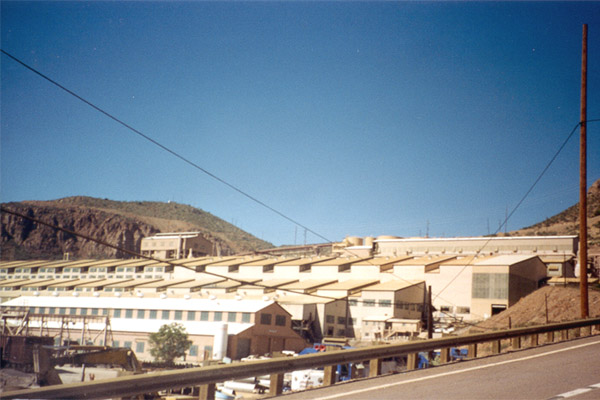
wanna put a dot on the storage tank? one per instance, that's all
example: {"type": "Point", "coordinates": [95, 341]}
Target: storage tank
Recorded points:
{"type": "Point", "coordinates": [369, 241]}
{"type": "Point", "coordinates": [220, 343]}
{"type": "Point", "coordinates": [354, 241]}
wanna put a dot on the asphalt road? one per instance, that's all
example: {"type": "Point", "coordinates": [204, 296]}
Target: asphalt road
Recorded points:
{"type": "Point", "coordinates": [561, 370]}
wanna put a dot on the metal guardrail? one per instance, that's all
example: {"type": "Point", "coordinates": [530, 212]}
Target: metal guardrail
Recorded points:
{"type": "Point", "coordinates": [206, 377]}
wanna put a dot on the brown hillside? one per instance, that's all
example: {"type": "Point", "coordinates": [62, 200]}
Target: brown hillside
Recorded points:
{"type": "Point", "coordinates": [567, 222]}
{"type": "Point", "coordinates": [122, 224]}
{"type": "Point", "coordinates": [563, 305]}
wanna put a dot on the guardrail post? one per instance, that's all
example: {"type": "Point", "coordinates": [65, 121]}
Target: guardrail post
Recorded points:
{"type": "Point", "coordinates": [207, 392]}
{"type": "Point", "coordinates": [496, 346]}
{"type": "Point", "coordinates": [564, 334]}
{"type": "Point", "coordinates": [577, 332]}
{"type": "Point", "coordinates": [472, 352]}
{"type": "Point", "coordinates": [412, 361]}
{"type": "Point", "coordinates": [535, 340]}
{"type": "Point", "coordinates": [549, 337]}
{"type": "Point", "coordinates": [329, 375]}
{"type": "Point", "coordinates": [374, 367]}
{"type": "Point", "coordinates": [445, 355]}
{"type": "Point", "coordinates": [516, 342]}
{"type": "Point", "coordinates": [276, 385]}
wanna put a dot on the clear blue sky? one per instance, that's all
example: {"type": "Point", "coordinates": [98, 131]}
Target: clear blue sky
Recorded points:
{"type": "Point", "coordinates": [353, 118]}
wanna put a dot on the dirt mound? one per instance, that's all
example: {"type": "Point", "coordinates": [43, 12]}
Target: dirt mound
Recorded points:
{"type": "Point", "coordinates": [563, 304]}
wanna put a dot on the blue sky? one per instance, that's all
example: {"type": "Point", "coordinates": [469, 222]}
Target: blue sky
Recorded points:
{"type": "Point", "coordinates": [353, 118]}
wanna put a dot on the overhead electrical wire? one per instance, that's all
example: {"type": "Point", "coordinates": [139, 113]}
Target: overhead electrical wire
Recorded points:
{"type": "Point", "coordinates": [165, 148]}
{"type": "Point", "coordinates": [242, 192]}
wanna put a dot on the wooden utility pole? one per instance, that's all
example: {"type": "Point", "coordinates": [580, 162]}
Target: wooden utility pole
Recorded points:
{"type": "Point", "coordinates": [583, 284]}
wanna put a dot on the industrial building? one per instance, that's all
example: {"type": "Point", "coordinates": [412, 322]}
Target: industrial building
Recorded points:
{"type": "Point", "coordinates": [365, 296]}
{"type": "Point", "coordinates": [178, 245]}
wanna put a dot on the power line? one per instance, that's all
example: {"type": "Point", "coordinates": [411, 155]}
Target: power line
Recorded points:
{"type": "Point", "coordinates": [562, 146]}
{"type": "Point", "coordinates": [165, 148]}
{"type": "Point", "coordinates": [171, 263]}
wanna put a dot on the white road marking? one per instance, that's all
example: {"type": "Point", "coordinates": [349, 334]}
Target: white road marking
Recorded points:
{"type": "Point", "coordinates": [334, 396]}
{"type": "Point", "coordinates": [577, 391]}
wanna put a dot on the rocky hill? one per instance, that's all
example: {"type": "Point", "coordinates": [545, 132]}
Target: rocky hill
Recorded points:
{"type": "Point", "coordinates": [123, 224]}
{"type": "Point", "coordinates": [567, 222]}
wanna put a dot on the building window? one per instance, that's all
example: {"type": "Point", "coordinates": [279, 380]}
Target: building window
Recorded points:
{"type": "Point", "coordinates": [341, 320]}
{"type": "Point", "coordinates": [204, 316]}
{"type": "Point", "coordinates": [165, 314]}
{"type": "Point", "coordinates": [115, 343]}
{"type": "Point", "coordinates": [117, 313]}
{"type": "Point", "coordinates": [193, 351]}
{"type": "Point", "coordinates": [246, 317]}
{"type": "Point", "coordinates": [265, 319]}
{"type": "Point", "coordinates": [231, 317]}
{"type": "Point", "coordinates": [191, 316]}
{"type": "Point", "coordinates": [127, 345]}
{"type": "Point", "coordinates": [141, 314]}
{"type": "Point", "coordinates": [352, 302]}
{"type": "Point", "coordinates": [129, 313]}
{"type": "Point", "coordinates": [139, 347]}
{"type": "Point", "coordinates": [153, 314]}
{"type": "Point", "coordinates": [62, 311]}
{"type": "Point", "coordinates": [73, 311]}
{"type": "Point", "coordinates": [330, 319]}
{"type": "Point", "coordinates": [369, 302]}
{"type": "Point", "coordinates": [280, 320]}
{"type": "Point", "coordinates": [385, 303]}
{"type": "Point", "coordinates": [41, 310]}
{"type": "Point", "coordinates": [463, 310]}
{"type": "Point", "coordinates": [178, 315]}
{"type": "Point", "coordinates": [94, 311]}
{"type": "Point", "coordinates": [83, 311]}
{"type": "Point", "coordinates": [218, 316]}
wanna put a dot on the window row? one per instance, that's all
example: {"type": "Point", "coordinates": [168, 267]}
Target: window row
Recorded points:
{"type": "Point", "coordinates": [177, 315]}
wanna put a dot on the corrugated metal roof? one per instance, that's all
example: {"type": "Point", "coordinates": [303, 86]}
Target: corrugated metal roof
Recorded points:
{"type": "Point", "coordinates": [12, 282]}
{"type": "Point", "coordinates": [391, 285]}
{"type": "Point", "coordinates": [377, 261]}
{"type": "Point", "coordinates": [505, 259]}
{"type": "Point", "coordinates": [305, 261]}
{"type": "Point", "coordinates": [103, 282]}
{"type": "Point", "coordinates": [197, 283]}
{"type": "Point", "coordinates": [136, 303]}
{"type": "Point", "coordinates": [164, 283]}
{"type": "Point", "coordinates": [341, 261]}
{"type": "Point", "coordinates": [426, 260]}
{"type": "Point", "coordinates": [132, 283]}
{"type": "Point", "coordinates": [468, 260]}
{"type": "Point", "coordinates": [308, 284]}
{"type": "Point", "coordinates": [349, 284]}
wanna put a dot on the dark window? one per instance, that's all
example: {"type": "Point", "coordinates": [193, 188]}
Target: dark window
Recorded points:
{"type": "Point", "coordinates": [280, 320]}
{"type": "Point", "coordinates": [265, 319]}
{"type": "Point", "coordinates": [218, 316]}
{"type": "Point", "coordinates": [246, 317]}
{"type": "Point", "coordinates": [165, 314]}
{"type": "Point", "coordinates": [232, 317]}
{"type": "Point", "coordinates": [191, 316]}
